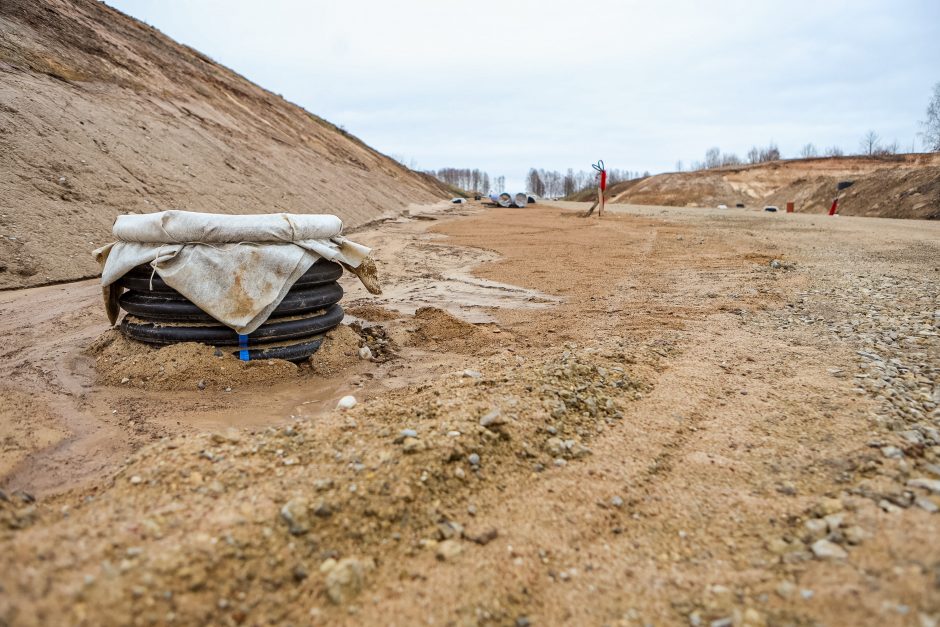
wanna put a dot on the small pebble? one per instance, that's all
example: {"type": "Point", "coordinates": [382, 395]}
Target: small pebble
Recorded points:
{"type": "Point", "coordinates": [347, 402]}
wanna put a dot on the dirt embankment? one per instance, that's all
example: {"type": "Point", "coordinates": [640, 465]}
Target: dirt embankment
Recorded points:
{"type": "Point", "coordinates": [897, 186]}
{"type": "Point", "coordinates": [101, 115]}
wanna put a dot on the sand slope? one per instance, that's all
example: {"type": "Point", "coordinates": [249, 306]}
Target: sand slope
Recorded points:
{"type": "Point", "coordinates": [897, 186]}
{"type": "Point", "coordinates": [101, 115]}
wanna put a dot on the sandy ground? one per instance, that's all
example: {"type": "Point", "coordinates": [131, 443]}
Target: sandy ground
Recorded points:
{"type": "Point", "coordinates": [664, 416]}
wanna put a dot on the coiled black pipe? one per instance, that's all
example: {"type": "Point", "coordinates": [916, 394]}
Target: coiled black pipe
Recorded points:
{"type": "Point", "coordinates": [144, 279]}
{"type": "Point", "coordinates": [158, 314]}
{"type": "Point", "coordinates": [175, 306]}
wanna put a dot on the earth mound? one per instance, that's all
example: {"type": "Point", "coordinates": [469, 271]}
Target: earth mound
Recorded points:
{"type": "Point", "coordinates": [187, 366]}
{"type": "Point", "coordinates": [892, 186]}
{"type": "Point", "coordinates": [102, 115]}
{"type": "Point", "coordinates": [436, 329]}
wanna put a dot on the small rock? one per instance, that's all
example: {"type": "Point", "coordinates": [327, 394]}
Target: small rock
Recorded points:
{"type": "Point", "coordinates": [892, 452]}
{"type": "Point", "coordinates": [405, 433]}
{"type": "Point", "coordinates": [412, 445]}
{"type": "Point", "coordinates": [616, 501]}
{"type": "Point", "coordinates": [854, 534]}
{"type": "Point", "coordinates": [786, 589]}
{"type": "Point", "coordinates": [136, 480]}
{"type": "Point", "coordinates": [448, 550]}
{"type": "Point", "coordinates": [555, 446]}
{"type": "Point", "coordinates": [826, 550]}
{"type": "Point", "coordinates": [202, 384]}
{"type": "Point", "coordinates": [344, 580]}
{"type": "Point", "coordinates": [816, 528]}
{"type": "Point", "coordinates": [578, 450]}
{"type": "Point", "coordinates": [888, 506]}
{"type": "Point", "coordinates": [829, 506]}
{"type": "Point", "coordinates": [752, 618]}
{"type": "Point", "coordinates": [125, 380]}
{"type": "Point", "coordinates": [933, 485]}
{"type": "Point", "coordinates": [474, 459]}
{"type": "Point", "coordinates": [485, 537]}
{"type": "Point", "coordinates": [492, 419]}
{"type": "Point", "coordinates": [927, 505]}
{"type": "Point", "coordinates": [834, 521]}
{"type": "Point", "coordinates": [472, 374]}
{"type": "Point", "coordinates": [296, 514]}
{"type": "Point", "coordinates": [347, 402]}
{"type": "Point", "coordinates": [365, 353]}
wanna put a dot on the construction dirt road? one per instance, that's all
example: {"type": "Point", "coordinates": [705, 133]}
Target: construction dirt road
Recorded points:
{"type": "Point", "coordinates": [661, 416]}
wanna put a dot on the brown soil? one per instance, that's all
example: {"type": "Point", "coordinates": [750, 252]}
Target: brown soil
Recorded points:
{"type": "Point", "coordinates": [188, 366]}
{"type": "Point", "coordinates": [445, 332]}
{"type": "Point", "coordinates": [372, 313]}
{"type": "Point", "coordinates": [102, 115]}
{"type": "Point", "coordinates": [898, 186]}
{"type": "Point", "coordinates": [657, 441]}
{"type": "Point", "coordinates": [339, 350]}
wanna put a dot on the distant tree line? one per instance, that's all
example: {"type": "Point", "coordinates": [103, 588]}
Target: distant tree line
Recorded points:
{"type": "Point", "coordinates": [472, 180]}
{"type": "Point", "coordinates": [541, 182]}
{"type": "Point", "coordinates": [870, 145]}
{"type": "Point", "coordinates": [552, 183]}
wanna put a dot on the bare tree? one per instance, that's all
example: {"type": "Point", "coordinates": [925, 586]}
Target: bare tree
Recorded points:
{"type": "Point", "coordinates": [570, 183]}
{"type": "Point", "coordinates": [679, 165]}
{"type": "Point", "coordinates": [834, 151]}
{"type": "Point", "coordinates": [770, 153]}
{"type": "Point", "coordinates": [931, 134]}
{"type": "Point", "coordinates": [807, 151]}
{"type": "Point", "coordinates": [753, 155]}
{"type": "Point", "coordinates": [713, 157]}
{"type": "Point", "coordinates": [869, 143]}
{"type": "Point", "coordinates": [887, 149]}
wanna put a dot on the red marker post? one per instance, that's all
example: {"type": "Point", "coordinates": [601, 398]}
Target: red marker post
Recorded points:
{"type": "Point", "coordinates": [601, 187]}
{"type": "Point", "coordinates": [835, 201]}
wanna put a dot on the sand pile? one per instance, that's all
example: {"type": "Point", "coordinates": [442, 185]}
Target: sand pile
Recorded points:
{"type": "Point", "coordinates": [187, 366]}
{"type": "Point", "coordinates": [340, 350]}
{"type": "Point", "coordinates": [436, 329]}
{"type": "Point", "coordinates": [373, 313]}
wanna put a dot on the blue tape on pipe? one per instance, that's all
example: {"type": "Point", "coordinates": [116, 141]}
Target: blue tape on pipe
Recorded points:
{"type": "Point", "coordinates": [243, 345]}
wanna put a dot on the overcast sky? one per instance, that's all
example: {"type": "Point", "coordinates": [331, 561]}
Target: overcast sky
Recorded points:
{"type": "Point", "coordinates": [504, 85]}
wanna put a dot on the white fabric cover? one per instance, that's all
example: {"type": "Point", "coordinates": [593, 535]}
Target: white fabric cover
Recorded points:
{"type": "Point", "coordinates": [235, 268]}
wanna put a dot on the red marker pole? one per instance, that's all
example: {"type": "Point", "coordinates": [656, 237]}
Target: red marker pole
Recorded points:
{"type": "Point", "coordinates": [834, 207]}
{"type": "Point", "coordinates": [600, 191]}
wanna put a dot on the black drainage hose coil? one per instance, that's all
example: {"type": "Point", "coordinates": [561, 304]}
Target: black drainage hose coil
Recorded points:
{"type": "Point", "coordinates": [158, 314]}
